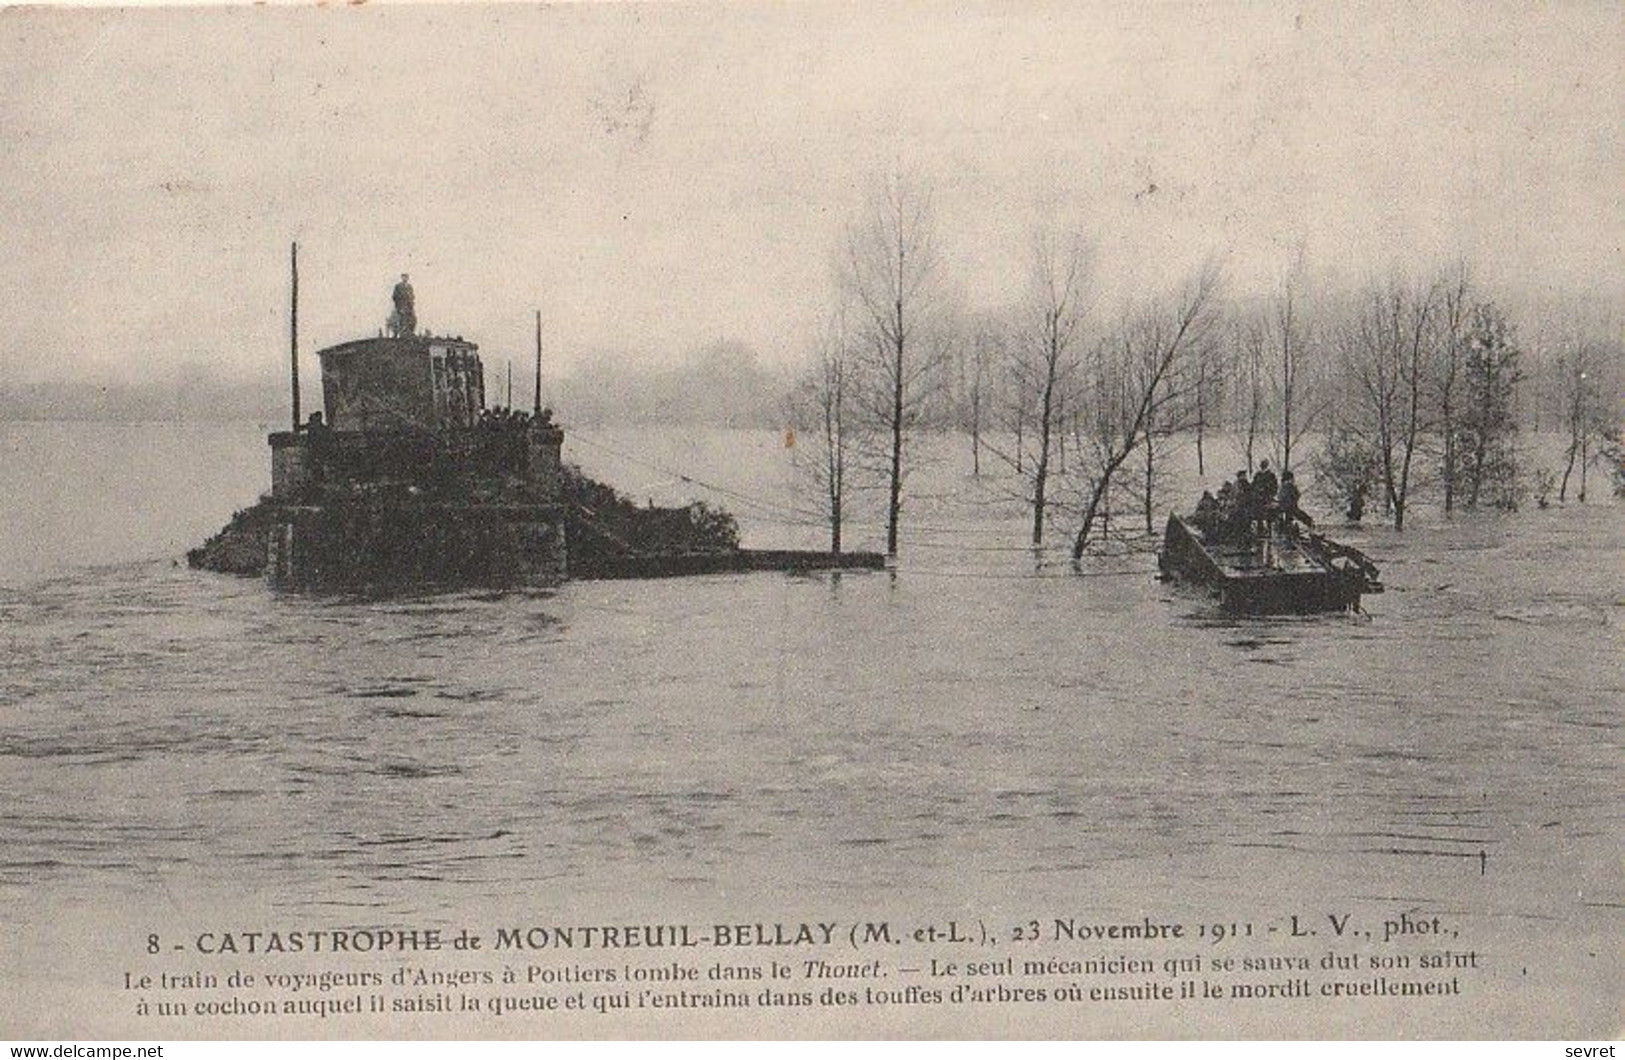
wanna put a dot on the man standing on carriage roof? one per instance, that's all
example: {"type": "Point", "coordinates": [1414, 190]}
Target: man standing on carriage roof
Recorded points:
{"type": "Point", "coordinates": [403, 323]}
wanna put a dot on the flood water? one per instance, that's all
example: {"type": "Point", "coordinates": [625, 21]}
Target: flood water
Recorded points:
{"type": "Point", "coordinates": [972, 735]}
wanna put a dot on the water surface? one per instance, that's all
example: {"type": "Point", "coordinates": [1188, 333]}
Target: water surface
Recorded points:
{"type": "Point", "coordinates": [974, 734]}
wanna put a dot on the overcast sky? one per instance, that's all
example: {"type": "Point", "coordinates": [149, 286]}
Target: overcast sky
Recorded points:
{"type": "Point", "coordinates": [655, 179]}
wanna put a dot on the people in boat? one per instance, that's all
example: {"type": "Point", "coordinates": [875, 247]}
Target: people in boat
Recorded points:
{"type": "Point", "coordinates": [1238, 513]}
{"type": "Point", "coordinates": [1287, 511]}
{"type": "Point", "coordinates": [1264, 483]}
{"type": "Point", "coordinates": [1264, 490]}
{"type": "Point", "coordinates": [1207, 517]}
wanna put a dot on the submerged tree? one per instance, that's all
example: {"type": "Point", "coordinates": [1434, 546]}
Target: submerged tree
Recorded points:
{"type": "Point", "coordinates": [1586, 416]}
{"type": "Point", "coordinates": [1162, 428]}
{"type": "Point", "coordinates": [973, 383]}
{"type": "Point", "coordinates": [1045, 350]}
{"type": "Point", "coordinates": [1275, 373]}
{"type": "Point", "coordinates": [890, 272]}
{"type": "Point", "coordinates": [1133, 380]}
{"type": "Point", "coordinates": [1345, 470]}
{"type": "Point", "coordinates": [1487, 455]}
{"type": "Point", "coordinates": [1290, 370]}
{"type": "Point", "coordinates": [1385, 346]}
{"type": "Point", "coordinates": [1248, 346]}
{"type": "Point", "coordinates": [1445, 377]}
{"type": "Point", "coordinates": [1613, 452]}
{"type": "Point", "coordinates": [1206, 398]}
{"type": "Point", "coordinates": [820, 408]}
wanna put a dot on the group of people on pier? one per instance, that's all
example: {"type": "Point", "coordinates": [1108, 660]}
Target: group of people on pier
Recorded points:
{"type": "Point", "coordinates": [1247, 509]}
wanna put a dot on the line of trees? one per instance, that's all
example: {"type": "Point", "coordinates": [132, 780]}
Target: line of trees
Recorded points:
{"type": "Point", "coordinates": [1402, 388]}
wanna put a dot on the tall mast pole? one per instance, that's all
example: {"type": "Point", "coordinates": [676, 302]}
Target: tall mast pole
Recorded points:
{"type": "Point", "coordinates": [510, 386]}
{"type": "Point", "coordinates": [293, 336]}
{"type": "Point", "coordinates": [536, 400]}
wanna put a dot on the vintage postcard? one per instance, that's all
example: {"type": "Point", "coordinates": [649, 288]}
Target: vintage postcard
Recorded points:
{"type": "Point", "coordinates": [790, 520]}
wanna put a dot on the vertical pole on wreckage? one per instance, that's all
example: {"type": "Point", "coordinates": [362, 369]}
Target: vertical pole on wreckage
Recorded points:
{"type": "Point", "coordinates": [293, 334]}
{"type": "Point", "coordinates": [536, 398]}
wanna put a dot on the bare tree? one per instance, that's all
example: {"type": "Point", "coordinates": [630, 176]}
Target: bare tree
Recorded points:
{"type": "Point", "coordinates": [1206, 397]}
{"type": "Point", "coordinates": [1276, 355]}
{"type": "Point", "coordinates": [1045, 346]}
{"type": "Point", "coordinates": [1585, 412]}
{"type": "Point", "coordinates": [1162, 426]}
{"type": "Point", "coordinates": [1345, 469]}
{"type": "Point", "coordinates": [1291, 371]}
{"type": "Point", "coordinates": [890, 271]}
{"type": "Point", "coordinates": [974, 383]}
{"type": "Point", "coordinates": [1249, 342]}
{"type": "Point", "coordinates": [820, 408]}
{"type": "Point", "coordinates": [1446, 377]}
{"type": "Point", "coordinates": [1487, 457]}
{"type": "Point", "coordinates": [1014, 401]}
{"type": "Point", "coordinates": [1386, 345]}
{"type": "Point", "coordinates": [1133, 379]}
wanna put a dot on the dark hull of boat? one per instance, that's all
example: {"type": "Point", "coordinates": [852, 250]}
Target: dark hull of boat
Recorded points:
{"type": "Point", "coordinates": [1298, 577]}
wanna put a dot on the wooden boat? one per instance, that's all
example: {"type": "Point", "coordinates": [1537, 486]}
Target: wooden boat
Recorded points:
{"type": "Point", "coordinates": [1289, 573]}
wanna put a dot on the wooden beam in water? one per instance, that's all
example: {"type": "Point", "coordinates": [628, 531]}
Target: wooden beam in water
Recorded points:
{"type": "Point", "coordinates": [687, 564]}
